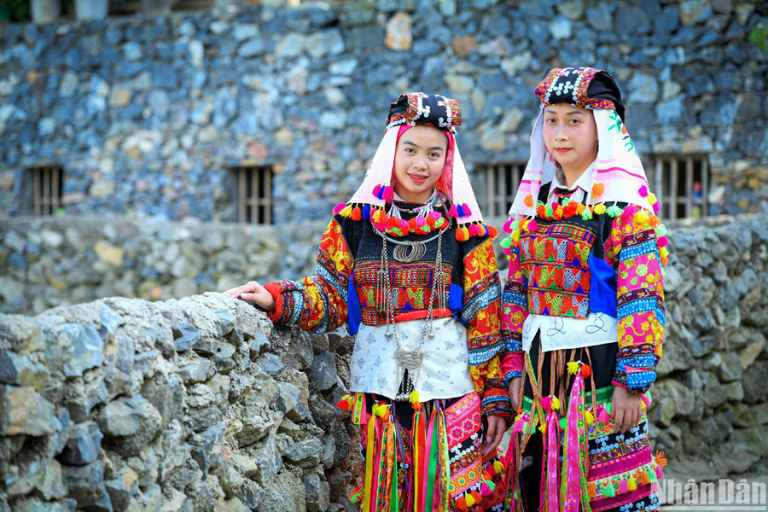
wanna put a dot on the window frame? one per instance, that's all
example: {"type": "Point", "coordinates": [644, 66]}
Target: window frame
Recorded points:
{"type": "Point", "coordinates": [47, 189]}
{"type": "Point", "coordinates": [670, 199]}
{"type": "Point", "coordinates": [496, 196]}
{"type": "Point", "coordinates": [252, 198]}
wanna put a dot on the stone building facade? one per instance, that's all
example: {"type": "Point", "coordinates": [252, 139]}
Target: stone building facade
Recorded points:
{"type": "Point", "coordinates": [153, 117]}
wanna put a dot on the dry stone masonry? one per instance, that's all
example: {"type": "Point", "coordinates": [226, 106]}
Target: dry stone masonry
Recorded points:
{"type": "Point", "coordinates": [197, 404]}
{"type": "Point", "coordinates": [147, 115]}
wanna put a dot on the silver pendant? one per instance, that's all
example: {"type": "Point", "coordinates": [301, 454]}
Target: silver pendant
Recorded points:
{"type": "Point", "coordinates": [414, 251]}
{"type": "Point", "coordinates": [410, 360]}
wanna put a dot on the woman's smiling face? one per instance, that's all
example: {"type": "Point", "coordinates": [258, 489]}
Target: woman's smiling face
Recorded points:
{"type": "Point", "coordinates": [419, 161]}
{"type": "Point", "coordinates": [570, 134]}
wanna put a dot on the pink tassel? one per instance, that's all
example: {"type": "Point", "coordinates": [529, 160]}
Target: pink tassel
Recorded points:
{"type": "Point", "coordinates": [656, 207]}
{"type": "Point", "coordinates": [434, 215]}
{"type": "Point", "coordinates": [376, 190]}
{"type": "Point", "coordinates": [623, 486]}
{"type": "Point", "coordinates": [404, 225]}
{"type": "Point", "coordinates": [474, 230]}
{"type": "Point", "coordinates": [382, 226]}
{"type": "Point", "coordinates": [338, 208]}
{"type": "Point", "coordinates": [659, 472]}
{"type": "Point", "coordinates": [546, 403]}
{"type": "Point", "coordinates": [643, 191]}
{"type": "Point", "coordinates": [453, 212]}
{"type": "Point", "coordinates": [663, 241]}
{"type": "Point", "coordinates": [507, 227]}
{"type": "Point", "coordinates": [646, 400]}
{"type": "Point", "coordinates": [485, 490]}
{"type": "Point", "coordinates": [491, 470]}
{"type": "Point", "coordinates": [602, 415]}
{"type": "Point", "coordinates": [467, 211]}
{"type": "Point", "coordinates": [389, 194]}
{"type": "Point", "coordinates": [508, 251]}
{"type": "Point", "coordinates": [518, 427]}
{"type": "Point", "coordinates": [421, 222]}
{"type": "Point", "coordinates": [532, 226]}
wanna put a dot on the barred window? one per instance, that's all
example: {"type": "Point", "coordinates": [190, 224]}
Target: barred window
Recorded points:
{"type": "Point", "coordinates": [681, 182]}
{"type": "Point", "coordinates": [502, 181]}
{"type": "Point", "coordinates": [254, 194]}
{"type": "Point", "coordinates": [44, 185]}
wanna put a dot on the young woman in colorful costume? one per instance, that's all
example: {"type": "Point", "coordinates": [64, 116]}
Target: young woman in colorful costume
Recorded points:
{"type": "Point", "coordinates": [409, 264]}
{"type": "Point", "coordinates": [583, 307]}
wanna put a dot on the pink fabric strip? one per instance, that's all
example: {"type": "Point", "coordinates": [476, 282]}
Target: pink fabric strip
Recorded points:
{"type": "Point", "coordinates": [573, 455]}
{"type": "Point", "coordinates": [641, 492]}
{"type": "Point", "coordinates": [377, 447]}
{"type": "Point", "coordinates": [621, 465]}
{"type": "Point", "coordinates": [620, 170]}
{"type": "Point", "coordinates": [553, 456]}
{"type": "Point", "coordinates": [427, 452]}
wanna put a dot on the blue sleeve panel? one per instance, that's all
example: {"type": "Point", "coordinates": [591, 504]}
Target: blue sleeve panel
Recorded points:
{"type": "Point", "coordinates": [602, 287]}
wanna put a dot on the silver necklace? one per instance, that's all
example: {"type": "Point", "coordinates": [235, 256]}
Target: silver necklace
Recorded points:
{"type": "Point", "coordinates": [410, 360]}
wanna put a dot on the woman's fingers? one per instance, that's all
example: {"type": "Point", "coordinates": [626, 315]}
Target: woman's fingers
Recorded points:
{"type": "Point", "coordinates": [496, 428]}
{"type": "Point", "coordinates": [618, 419]}
{"type": "Point", "coordinates": [249, 287]}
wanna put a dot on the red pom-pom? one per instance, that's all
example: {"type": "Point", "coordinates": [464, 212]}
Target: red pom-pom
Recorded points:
{"type": "Point", "coordinates": [357, 213]}
{"type": "Point", "coordinates": [493, 232]}
{"type": "Point", "coordinates": [461, 504]}
{"type": "Point", "coordinates": [586, 371]}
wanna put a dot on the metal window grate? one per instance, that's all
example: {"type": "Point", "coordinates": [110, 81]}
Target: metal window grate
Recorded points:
{"type": "Point", "coordinates": [682, 185]}
{"type": "Point", "coordinates": [48, 184]}
{"type": "Point", "coordinates": [503, 180]}
{"type": "Point", "coordinates": [254, 194]}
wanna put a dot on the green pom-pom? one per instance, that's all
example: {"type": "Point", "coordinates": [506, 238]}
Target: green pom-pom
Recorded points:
{"type": "Point", "coordinates": [439, 222]}
{"type": "Point", "coordinates": [609, 491]}
{"type": "Point", "coordinates": [549, 211]}
{"type": "Point", "coordinates": [396, 231]}
{"type": "Point", "coordinates": [507, 242]}
{"type": "Point", "coordinates": [614, 211]}
{"type": "Point", "coordinates": [563, 423]}
{"type": "Point", "coordinates": [425, 229]}
{"type": "Point", "coordinates": [652, 476]}
{"type": "Point", "coordinates": [566, 200]}
{"type": "Point", "coordinates": [515, 224]}
{"type": "Point", "coordinates": [661, 230]}
{"type": "Point", "coordinates": [587, 215]}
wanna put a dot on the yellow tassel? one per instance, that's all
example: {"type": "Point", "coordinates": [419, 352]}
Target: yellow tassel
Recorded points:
{"type": "Point", "coordinates": [632, 484]}
{"type": "Point", "coordinates": [599, 208]}
{"type": "Point", "coordinates": [347, 211]}
{"type": "Point", "coordinates": [664, 252]}
{"type": "Point", "coordinates": [555, 403]}
{"type": "Point", "coordinates": [652, 198]}
{"type": "Point", "coordinates": [515, 236]}
{"type": "Point", "coordinates": [642, 217]}
{"type": "Point", "coordinates": [383, 411]}
{"type": "Point", "coordinates": [470, 500]}
{"type": "Point", "coordinates": [589, 418]}
{"type": "Point", "coordinates": [414, 399]}
{"type": "Point", "coordinates": [498, 466]}
{"type": "Point", "coordinates": [375, 410]}
{"type": "Point", "coordinates": [573, 367]}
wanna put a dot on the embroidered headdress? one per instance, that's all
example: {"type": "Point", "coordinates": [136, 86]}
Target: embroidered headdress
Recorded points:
{"type": "Point", "coordinates": [413, 109]}
{"type": "Point", "coordinates": [617, 175]}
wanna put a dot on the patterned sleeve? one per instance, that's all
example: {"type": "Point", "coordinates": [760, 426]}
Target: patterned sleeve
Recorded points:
{"type": "Point", "coordinates": [514, 311]}
{"type": "Point", "coordinates": [634, 251]}
{"type": "Point", "coordinates": [480, 312]}
{"type": "Point", "coordinates": [317, 303]}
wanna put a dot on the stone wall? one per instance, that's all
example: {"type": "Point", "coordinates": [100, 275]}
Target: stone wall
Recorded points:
{"type": "Point", "coordinates": [198, 404]}
{"type": "Point", "coordinates": [148, 115]}
{"type": "Point", "coordinates": [59, 261]}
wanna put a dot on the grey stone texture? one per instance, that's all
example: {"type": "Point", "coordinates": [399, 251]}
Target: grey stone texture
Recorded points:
{"type": "Point", "coordinates": [175, 103]}
{"type": "Point", "coordinates": [173, 438]}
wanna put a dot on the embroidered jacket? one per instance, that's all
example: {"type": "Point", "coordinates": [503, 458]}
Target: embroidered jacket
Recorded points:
{"type": "Point", "coordinates": [344, 290]}
{"type": "Point", "coordinates": [572, 267]}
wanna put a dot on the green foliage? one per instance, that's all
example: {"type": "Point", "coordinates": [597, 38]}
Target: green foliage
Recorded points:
{"type": "Point", "coordinates": [759, 36]}
{"type": "Point", "coordinates": [18, 10]}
